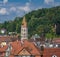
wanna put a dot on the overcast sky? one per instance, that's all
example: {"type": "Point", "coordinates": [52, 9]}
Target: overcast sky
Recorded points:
{"type": "Point", "coordinates": [9, 9]}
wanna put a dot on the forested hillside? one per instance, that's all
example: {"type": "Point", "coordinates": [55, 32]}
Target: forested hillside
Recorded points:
{"type": "Point", "coordinates": [41, 20]}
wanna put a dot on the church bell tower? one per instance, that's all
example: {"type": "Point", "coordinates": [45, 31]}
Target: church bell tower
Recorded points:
{"type": "Point", "coordinates": [24, 30]}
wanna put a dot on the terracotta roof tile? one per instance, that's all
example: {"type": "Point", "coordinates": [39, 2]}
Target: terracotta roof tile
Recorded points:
{"type": "Point", "coordinates": [56, 40]}
{"type": "Point", "coordinates": [3, 49]}
{"type": "Point", "coordinates": [51, 51]}
{"type": "Point", "coordinates": [17, 47]}
{"type": "Point", "coordinates": [31, 48]}
{"type": "Point", "coordinates": [11, 56]}
{"type": "Point", "coordinates": [7, 38]}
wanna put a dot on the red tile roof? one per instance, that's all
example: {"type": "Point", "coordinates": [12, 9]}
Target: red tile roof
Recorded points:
{"type": "Point", "coordinates": [51, 51]}
{"type": "Point", "coordinates": [7, 38]}
{"type": "Point", "coordinates": [30, 48]}
{"type": "Point", "coordinates": [17, 47]}
{"type": "Point", "coordinates": [11, 56]}
{"type": "Point", "coordinates": [56, 40]}
{"type": "Point", "coordinates": [3, 49]}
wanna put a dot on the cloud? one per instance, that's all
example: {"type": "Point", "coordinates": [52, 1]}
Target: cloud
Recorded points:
{"type": "Point", "coordinates": [13, 9]}
{"type": "Point", "coordinates": [5, 1]}
{"type": "Point", "coordinates": [25, 8]}
{"type": "Point", "coordinates": [56, 4]}
{"type": "Point", "coordinates": [49, 1]}
{"type": "Point", "coordinates": [3, 11]}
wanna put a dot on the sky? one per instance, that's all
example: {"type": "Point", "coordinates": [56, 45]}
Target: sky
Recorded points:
{"type": "Point", "coordinates": [9, 9]}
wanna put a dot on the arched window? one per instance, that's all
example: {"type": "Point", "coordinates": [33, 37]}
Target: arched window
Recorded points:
{"type": "Point", "coordinates": [54, 56]}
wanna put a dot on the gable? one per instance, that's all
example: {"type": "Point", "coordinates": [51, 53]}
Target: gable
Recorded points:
{"type": "Point", "coordinates": [24, 52]}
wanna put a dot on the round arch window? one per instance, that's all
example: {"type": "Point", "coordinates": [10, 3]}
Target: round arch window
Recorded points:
{"type": "Point", "coordinates": [54, 56]}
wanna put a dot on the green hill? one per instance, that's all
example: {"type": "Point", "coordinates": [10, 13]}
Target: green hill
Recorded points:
{"type": "Point", "coordinates": [41, 20]}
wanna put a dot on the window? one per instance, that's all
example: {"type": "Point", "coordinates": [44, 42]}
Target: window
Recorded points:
{"type": "Point", "coordinates": [54, 56]}
{"type": "Point", "coordinates": [24, 56]}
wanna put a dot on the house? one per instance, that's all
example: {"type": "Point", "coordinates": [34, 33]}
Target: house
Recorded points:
{"type": "Point", "coordinates": [26, 48]}
{"type": "Point", "coordinates": [23, 47]}
{"type": "Point", "coordinates": [4, 40]}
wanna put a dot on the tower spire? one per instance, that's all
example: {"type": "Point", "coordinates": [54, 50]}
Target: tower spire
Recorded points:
{"type": "Point", "coordinates": [24, 30]}
{"type": "Point", "coordinates": [24, 23]}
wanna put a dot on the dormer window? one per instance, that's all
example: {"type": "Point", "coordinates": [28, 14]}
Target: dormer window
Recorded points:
{"type": "Point", "coordinates": [54, 56]}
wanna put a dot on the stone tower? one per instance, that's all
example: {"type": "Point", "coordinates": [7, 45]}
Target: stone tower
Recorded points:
{"type": "Point", "coordinates": [24, 30]}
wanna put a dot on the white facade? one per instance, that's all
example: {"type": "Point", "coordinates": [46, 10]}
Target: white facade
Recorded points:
{"type": "Point", "coordinates": [24, 33]}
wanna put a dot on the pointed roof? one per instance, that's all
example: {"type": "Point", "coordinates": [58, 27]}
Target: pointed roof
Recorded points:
{"type": "Point", "coordinates": [24, 51]}
{"type": "Point", "coordinates": [24, 23]}
{"type": "Point", "coordinates": [29, 48]}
